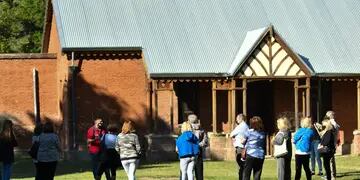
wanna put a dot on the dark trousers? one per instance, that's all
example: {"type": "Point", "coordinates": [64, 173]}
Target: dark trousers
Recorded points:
{"type": "Point", "coordinates": [253, 164]}
{"type": "Point", "coordinates": [302, 160]}
{"type": "Point", "coordinates": [199, 167]}
{"type": "Point", "coordinates": [326, 162]}
{"type": "Point", "coordinates": [109, 164]}
{"type": "Point", "coordinates": [95, 162]}
{"type": "Point", "coordinates": [45, 170]}
{"type": "Point", "coordinates": [241, 163]}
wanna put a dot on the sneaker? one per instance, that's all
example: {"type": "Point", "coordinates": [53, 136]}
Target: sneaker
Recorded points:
{"type": "Point", "coordinates": [320, 174]}
{"type": "Point", "coordinates": [312, 173]}
{"type": "Point", "coordinates": [323, 177]}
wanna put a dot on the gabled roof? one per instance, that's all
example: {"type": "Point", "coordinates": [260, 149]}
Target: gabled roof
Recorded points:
{"type": "Point", "coordinates": [202, 38]}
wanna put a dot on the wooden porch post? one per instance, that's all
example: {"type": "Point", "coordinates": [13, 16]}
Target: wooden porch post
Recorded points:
{"type": "Point", "coordinates": [172, 107]}
{"type": "Point", "coordinates": [233, 102]}
{"type": "Point", "coordinates": [244, 86]}
{"type": "Point", "coordinates": [308, 113]}
{"type": "Point", "coordinates": [296, 101]}
{"type": "Point", "coordinates": [303, 103]}
{"type": "Point", "coordinates": [214, 106]}
{"type": "Point", "coordinates": [229, 92]}
{"type": "Point", "coordinates": [358, 104]}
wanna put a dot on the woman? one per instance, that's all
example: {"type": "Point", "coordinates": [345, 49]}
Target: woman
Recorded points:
{"type": "Point", "coordinates": [35, 138]}
{"type": "Point", "coordinates": [127, 144]}
{"type": "Point", "coordinates": [302, 141]}
{"type": "Point", "coordinates": [48, 153]}
{"type": "Point", "coordinates": [7, 144]}
{"type": "Point", "coordinates": [283, 161]}
{"type": "Point", "coordinates": [236, 135]}
{"type": "Point", "coordinates": [109, 157]}
{"type": "Point", "coordinates": [187, 146]}
{"type": "Point", "coordinates": [315, 156]}
{"type": "Point", "coordinates": [254, 140]}
{"type": "Point", "coordinates": [327, 142]}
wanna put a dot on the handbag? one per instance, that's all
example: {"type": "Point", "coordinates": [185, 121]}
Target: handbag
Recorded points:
{"type": "Point", "coordinates": [280, 150]}
{"type": "Point", "coordinates": [33, 151]}
{"type": "Point", "coordinates": [323, 149]}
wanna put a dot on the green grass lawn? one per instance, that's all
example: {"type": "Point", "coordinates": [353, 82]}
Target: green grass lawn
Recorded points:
{"type": "Point", "coordinates": [348, 168]}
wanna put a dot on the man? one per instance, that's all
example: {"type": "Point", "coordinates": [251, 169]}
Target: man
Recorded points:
{"type": "Point", "coordinates": [237, 135]}
{"type": "Point", "coordinates": [94, 135]}
{"type": "Point", "coordinates": [203, 143]}
{"type": "Point", "coordinates": [336, 126]}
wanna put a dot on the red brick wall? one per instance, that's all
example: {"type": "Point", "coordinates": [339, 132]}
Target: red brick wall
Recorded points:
{"type": "Point", "coordinates": [16, 97]}
{"type": "Point", "coordinates": [344, 104]}
{"type": "Point", "coordinates": [112, 89]}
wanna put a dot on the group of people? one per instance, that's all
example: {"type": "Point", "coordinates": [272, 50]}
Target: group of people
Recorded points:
{"type": "Point", "coordinates": [108, 148]}
{"type": "Point", "coordinates": [311, 141]}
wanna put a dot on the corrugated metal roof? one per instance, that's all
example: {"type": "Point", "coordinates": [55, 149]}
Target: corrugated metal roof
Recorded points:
{"type": "Point", "coordinates": [203, 37]}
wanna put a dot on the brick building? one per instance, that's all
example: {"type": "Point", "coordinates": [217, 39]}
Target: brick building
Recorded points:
{"type": "Point", "coordinates": [154, 62]}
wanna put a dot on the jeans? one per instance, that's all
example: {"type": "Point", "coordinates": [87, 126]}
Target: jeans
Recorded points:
{"type": "Point", "coordinates": [95, 160]}
{"type": "Point", "coordinates": [187, 167]}
{"type": "Point", "coordinates": [315, 156]}
{"type": "Point", "coordinates": [6, 171]}
{"type": "Point", "coordinates": [302, 160]}
{"type": "Point", "coordinates": [284, 168]}
{"type": "Point", "coordinates": [130, 166]}
{"type": "Point", "coordinates": [253, 164]}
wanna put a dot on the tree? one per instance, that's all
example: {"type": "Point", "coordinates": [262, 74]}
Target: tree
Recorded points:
{"type": "Point", "coordinates": [21, 25]}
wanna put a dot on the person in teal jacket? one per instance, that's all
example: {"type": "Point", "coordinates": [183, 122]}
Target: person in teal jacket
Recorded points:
{"type": "Point", "coordinates": [302, 141]}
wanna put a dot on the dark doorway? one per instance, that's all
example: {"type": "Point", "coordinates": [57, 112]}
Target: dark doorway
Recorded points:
{"type": "Point", "coordinates": [188, 99]}
{"type": "Point", "coordinates": [260, 103]}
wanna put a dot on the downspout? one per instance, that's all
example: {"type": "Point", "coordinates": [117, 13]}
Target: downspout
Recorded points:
{"type": "Point", "coordinates": [74, 71]}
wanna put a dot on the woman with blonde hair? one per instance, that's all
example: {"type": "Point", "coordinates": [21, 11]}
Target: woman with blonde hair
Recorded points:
{"type": "Point", "coordinates": [327, 146]}
{"type": "Point", "coordinates": [284, 159]}
{"type": "Point", "coordinates": [187, 146]}
{"type": "Point", "coordinates": [128, 146]}
{"type": "Point", "coordinates": [302, 141]}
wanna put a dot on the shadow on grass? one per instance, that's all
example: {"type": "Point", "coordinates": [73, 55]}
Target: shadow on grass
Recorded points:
{"type": "Point", "coordinates": [25, 168]}
{"type": "Point", "coordinates": [349, 174]}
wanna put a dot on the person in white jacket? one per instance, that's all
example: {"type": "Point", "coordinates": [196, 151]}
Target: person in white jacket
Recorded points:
{"type": "Point", "coordinates": [237, 135]}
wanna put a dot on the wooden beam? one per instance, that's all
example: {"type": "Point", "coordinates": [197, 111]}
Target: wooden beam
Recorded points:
{"type": "Point", "coordinates": [156, 110]}
{"type": "Point", "coordinates": [172, 107]}
{"type": "Point", "coordinates": [263, 67]}
{"type": "Point", "coordinates": [296, 102]}
{"type": "Point", "coordinates": [280, 63]}
{"type": "Point", "coordinates": [36, 96]}
{"type": "Point", "coordinates": [214, 123]}
{"type": "Point", "coordinates": [358, 104]}
{"type": "Point", "coordinates": [308, 110]}
{"type": "Point", "coordinates": [244, 86]}
{"type": "Point", "coordinates": [270, 55]}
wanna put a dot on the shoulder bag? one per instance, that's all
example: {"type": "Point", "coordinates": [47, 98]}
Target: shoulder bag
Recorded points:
{"type": "Point", "coordinates": [280, 150]}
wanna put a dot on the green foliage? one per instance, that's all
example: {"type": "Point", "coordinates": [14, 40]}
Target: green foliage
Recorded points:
{"type": "Point", "coordinates": [21, 25]}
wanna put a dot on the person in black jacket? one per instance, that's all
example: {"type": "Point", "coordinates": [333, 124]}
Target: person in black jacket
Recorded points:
{"type": "Point", "coordinates": [327, 142]}
{"type": "Point", "coordinates": [7, 144]}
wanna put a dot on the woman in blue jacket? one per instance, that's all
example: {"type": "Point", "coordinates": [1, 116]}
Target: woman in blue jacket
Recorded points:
{"type": "Point", "coordinates": [187, 146]}
{"type": "Point", "coordinates": [302, 141]}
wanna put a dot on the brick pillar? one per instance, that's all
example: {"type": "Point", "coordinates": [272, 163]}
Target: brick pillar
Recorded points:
{"type": "Point", "coordinates": [356, 143]}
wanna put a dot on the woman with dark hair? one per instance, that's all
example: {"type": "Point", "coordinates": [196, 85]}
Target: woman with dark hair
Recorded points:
{"type": "Point", "coordinates": [34, 139]}
{"type": "Point", "coordinates": [127, 144]}
{"type": "Point", "coordinates": [48, 153]}
{"type": "Point", "coordinates": [254, 140]}
{"type": "Point", "coordinates": [109, 158]}
{"type": "Point", "coordinates": [7, 144]}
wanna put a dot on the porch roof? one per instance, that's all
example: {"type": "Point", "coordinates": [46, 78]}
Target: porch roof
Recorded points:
{"type": "Point", "coordinates": [195, 38]}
